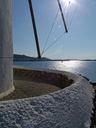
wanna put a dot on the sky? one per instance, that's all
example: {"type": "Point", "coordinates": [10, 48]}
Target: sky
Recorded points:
{"type": "Point", "coordinates": [78, 43]}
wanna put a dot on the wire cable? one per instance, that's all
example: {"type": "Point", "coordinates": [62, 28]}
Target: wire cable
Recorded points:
{"type": "Point", "coordinates": [51, 45]}
{"type": "Point", "coordinates": [71, 20]}
{"type": "Point", "coordinates": [50, 30]}
{"type": "Point", "coordinates": [6, 57]}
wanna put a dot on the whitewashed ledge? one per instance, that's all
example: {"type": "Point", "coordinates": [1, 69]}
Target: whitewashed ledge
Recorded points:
{"type": "Point", "coordinates": [70, 107]}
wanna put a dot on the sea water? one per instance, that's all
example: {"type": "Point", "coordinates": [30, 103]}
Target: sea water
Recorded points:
{"type": "Point", "coordinates": [85, 68]}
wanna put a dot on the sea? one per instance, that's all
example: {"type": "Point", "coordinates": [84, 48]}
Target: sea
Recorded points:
{"type": "Point", "coordinates": [85, 68]}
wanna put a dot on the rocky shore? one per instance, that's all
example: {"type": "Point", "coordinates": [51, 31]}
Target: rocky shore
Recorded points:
{"type": "Point", "coordinates": [93, 119]}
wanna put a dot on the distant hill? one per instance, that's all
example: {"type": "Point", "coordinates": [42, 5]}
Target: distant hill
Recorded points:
{"type": "Point", "coordinates": [18, 57]}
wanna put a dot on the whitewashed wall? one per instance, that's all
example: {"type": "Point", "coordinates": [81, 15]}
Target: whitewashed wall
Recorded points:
{"type": "Point", "coordinates": [70, 107]}
{"type": "Point", "coordinates": [6, 50]}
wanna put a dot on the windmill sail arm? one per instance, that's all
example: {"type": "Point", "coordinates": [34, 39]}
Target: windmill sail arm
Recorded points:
{"type": "Point", "coordinates": [63, 18]}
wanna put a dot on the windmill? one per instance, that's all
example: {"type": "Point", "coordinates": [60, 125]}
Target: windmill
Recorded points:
{"type": "Point", "coordinates": [35, 29]}
{"type": "Point", "coordinates": [6, 48]}
{"type": "Point", "coordinates": [6, 44]}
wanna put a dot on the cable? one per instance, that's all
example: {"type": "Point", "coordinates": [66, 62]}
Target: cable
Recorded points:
{"type": "Point", "coordinates": [46, 49]}
{"type": "Point", "coordinates": [54, 42]}
{"type": "Point", "coordinates": [6, 57]}
{"type": "Point", "coordinates": [50, 31]}
{"type": "Point", "coordinates": [67, 8]}
{"type": "Point", "coordinates": [71, 20]}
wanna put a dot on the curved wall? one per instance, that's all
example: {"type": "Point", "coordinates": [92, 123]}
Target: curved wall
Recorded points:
{"type": "Point", "coordinates": [70, 107]}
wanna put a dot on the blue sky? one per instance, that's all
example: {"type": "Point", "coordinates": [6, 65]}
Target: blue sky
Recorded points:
{"type": "Point", "coordinates": [79, 43]}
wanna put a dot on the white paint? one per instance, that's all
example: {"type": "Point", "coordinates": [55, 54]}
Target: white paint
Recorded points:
{"type": "Point", "coordinates": [6, 48]}
{"type": "Point", "coordinates": [70, 107]}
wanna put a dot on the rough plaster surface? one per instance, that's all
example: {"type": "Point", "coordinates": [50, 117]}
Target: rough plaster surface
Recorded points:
{"type": "Point", "coordinates": [6, 53]}
{"type": "Point", "coordinates": [67, 108]}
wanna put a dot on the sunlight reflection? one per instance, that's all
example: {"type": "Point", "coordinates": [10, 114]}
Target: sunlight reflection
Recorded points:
{"type": "Point", "coordinates": [68, 3]}
{"type": "Point", "coordinates": [72, 64]}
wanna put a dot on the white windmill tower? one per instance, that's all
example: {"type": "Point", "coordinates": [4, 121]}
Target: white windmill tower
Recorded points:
{"type": "Point", "coordinates": [6, 48]}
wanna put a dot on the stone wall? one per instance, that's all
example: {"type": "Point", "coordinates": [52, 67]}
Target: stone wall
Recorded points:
{"type": "Point", "coordinates": [70, 107]}
{"type": "Point", "coordinates": [54, 78]}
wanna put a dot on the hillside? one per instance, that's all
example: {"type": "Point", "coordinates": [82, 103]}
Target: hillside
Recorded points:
{"type": "Point", "coordinates": [18, 57]}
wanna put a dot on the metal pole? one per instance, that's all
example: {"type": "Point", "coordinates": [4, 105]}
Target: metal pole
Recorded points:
{"type": "Point", "coordinates": [34, 28]}
{"type": "Point", "coordinates": [63, 18]}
